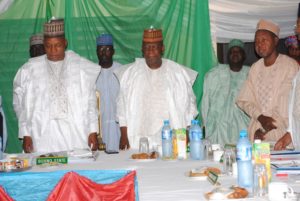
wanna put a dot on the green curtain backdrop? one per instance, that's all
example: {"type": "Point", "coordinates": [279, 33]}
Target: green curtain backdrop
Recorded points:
{"type": "Point", "coordinates": [185, 25]}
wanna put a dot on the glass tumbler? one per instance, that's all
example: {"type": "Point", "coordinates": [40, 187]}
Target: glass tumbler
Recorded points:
{"type": "Point", "coordinates": [207, 149]}
{"type": "Point", "coordinates": [144, 145]}
{"type": "Point", "coordinates": [228, 159]}
{"type": "Point", "coordinates": [260, 180]}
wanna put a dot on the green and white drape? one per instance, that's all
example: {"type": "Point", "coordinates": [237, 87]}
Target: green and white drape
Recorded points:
{"type": "Point", "coordinates": [185, 25]}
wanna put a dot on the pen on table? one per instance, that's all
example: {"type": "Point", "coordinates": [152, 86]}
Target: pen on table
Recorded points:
{"type": "Point", "coordinates": [282, 175]}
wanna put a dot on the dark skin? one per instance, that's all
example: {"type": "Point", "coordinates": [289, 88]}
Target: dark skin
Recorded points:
{"type": "Point", "coordinates": [236, 57]}
{"type": "Point", "coordinates": [283, 142]}
{"type": "Point", "coordinates": [105, 55]}
{"type": "Point", "coordinates": [294, 52]}
{"type": "Point", "coordinates": [152, 53]}
{"type": "Point", "coordinates": [260, 134]}
{"type": "Point", "coordinates": [265, 46]}
{"type": "Point", "coordinates": [37, 50]}
{"type": "Point", "coordinates": [55, 50]}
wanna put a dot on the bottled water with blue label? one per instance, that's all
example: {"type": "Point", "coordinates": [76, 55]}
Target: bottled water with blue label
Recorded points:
{"type": "Point", "coordinates": [166, 135]}
{"type": "Point", "coordinates": [244, 162]}
{"type": "Point", "coordinates": [196, 145]}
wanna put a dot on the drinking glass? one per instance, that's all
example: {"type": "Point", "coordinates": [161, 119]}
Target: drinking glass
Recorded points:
{"type": "Point", "coordinates": [144, 145]}
{"type": "Point", "coordinates": [207, 149]}
{"type": "Point", "coordinates": [260, 180]}
{"type": "Point", "coordinates": [228, 160]}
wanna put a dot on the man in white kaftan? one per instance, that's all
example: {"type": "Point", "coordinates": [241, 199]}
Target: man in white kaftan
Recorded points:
{"type": "Point", "coordinates": [54, 97]}
{"type": "Point", "coordinates": [108, 86]}
{"type": "Point", "coordinates": [153, 90]}
{"type": "Point", "coordinates": [265, 94]}
{"type": "Point", "coordinates": [222, 118]}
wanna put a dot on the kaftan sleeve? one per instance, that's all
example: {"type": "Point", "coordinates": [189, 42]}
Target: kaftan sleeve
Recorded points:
{"type": "Point", "coordinates": [294, 112]}
{"type": "Point", "coordinates": [246, 99]}
{"type": "Point", "coordinates": [92, 71]}
{"type": "Point", "coordinates": [92, 110]}
{"type": "Point", "coordinates": [121, 99]}
{"type": "Point", "coordinates": [20, 86]}
{"type": "Point", "coordinates": [191, 105]}
{"type": "Point", "coordinates": [121, 108]}
{"type": "Point", "coordinates": [205, 99]}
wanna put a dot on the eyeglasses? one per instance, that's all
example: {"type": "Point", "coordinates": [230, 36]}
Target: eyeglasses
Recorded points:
{"type": "Point", "coordinates": [105, 49]}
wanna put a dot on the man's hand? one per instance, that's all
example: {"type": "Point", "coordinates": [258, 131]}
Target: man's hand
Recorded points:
{"type": "Point", "coordinates": [27, 144]}
{"type": "Point", "coordinates": [259, 134]}
{"type": "Point", "coordinates": [267, 122]}
{"type": "Point", "coordinates": [93, 141]}
{"type": "Point", "coordinates": [124, 142]}
{"type": "Point", "coordinates": [283, 142]}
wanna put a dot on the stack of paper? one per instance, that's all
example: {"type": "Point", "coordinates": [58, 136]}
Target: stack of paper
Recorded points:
{"type": "Point", "coordinates": [286, 162]}
{"type": "Point", "coordinates": [82, 154]}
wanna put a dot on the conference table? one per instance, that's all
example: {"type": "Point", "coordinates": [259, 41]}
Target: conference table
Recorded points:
{"type": "Point", "coordinates": [160, 180]}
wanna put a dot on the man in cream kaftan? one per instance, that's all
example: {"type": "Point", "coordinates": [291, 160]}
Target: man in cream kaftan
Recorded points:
{"type": "Point", "coordinates": [265, 94]}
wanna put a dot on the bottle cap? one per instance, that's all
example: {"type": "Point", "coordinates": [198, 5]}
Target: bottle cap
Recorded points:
{"type": "Point", "coordinates": [243, 133]}
{"type": "Point", "coordinates": [257, 141]}
{"type": "Point", "coordinates": [195, 122]}
{"type": "Point", "coordinates": [166, 122]}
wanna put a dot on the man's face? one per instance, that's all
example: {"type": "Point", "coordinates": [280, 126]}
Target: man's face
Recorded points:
{"type": "Point", "coordinates": [153, 52]}
{"type": "Point", "coordinates": [105, 53]}
{"type": "Point", "coordinates": [236, 55]}
{"type": "Point", "coordinates": [294, 52]}
{"type": "Point", "coordinates": [55, 48]}
{"type": "Point", "coordinates": [265, 43]}
{"type": "Point", "coordinates": [36, 50]}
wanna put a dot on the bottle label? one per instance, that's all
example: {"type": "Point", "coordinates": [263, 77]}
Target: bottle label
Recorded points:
{"type": "Point", "coordinates": [244, 153]}
{"type": "Point", "coordinates": [166, 135]}
{"type": "Point", "coordinates": [196, 136]}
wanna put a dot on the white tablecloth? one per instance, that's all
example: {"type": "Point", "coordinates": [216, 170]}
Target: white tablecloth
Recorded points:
{"type": "Point", "coordinates": [159, 180]}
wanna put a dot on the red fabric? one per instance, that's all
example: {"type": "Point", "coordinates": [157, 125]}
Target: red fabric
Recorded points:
{"type": "Point", "coordinates": [73, 187]}
{"type": "Point", "coordinates": [4, 196]}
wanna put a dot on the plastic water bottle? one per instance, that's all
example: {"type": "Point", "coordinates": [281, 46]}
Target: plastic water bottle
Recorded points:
{"type": "Point", "coordinates": [244, 162]}
{"type": "Point", "coordinates": [166, 135]}
{"type": "Point", "coordinates": [196, 145]}
{"type": "Point", "coordinates": [1, 152]}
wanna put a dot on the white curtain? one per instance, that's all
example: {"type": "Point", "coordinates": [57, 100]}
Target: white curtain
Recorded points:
{"type": "Point", "coordinates": [238, 18]}
{"type": "Point", "coordinates": [4, 5]}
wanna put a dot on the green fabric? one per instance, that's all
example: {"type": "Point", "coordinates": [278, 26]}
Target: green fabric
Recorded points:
{"type": "Point", "coordinates": [225, 119]}
{"type": "Point", "coordinates": [185, 25]}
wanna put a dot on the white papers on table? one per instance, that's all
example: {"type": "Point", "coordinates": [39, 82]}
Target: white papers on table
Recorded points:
{"type": "Point", "coordinates": [82, 156]}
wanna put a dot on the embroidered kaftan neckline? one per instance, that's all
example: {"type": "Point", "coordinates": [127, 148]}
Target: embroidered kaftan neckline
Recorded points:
{"type": "Point", "coordinates": [57, 90]}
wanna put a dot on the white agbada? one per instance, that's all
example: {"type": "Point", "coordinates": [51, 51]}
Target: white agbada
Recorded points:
{"type": "Point", "coordinates": [294, 112]}
{"type": "Point", "coordinates": [55, 102]}
{"type": "Point", "coordinates": [108, 86]}
{"type": "Point", "coordinates": [147, 97]}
